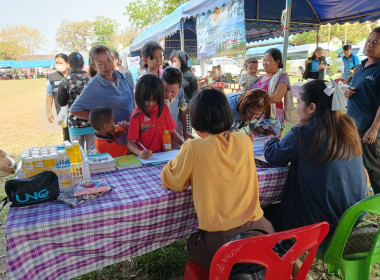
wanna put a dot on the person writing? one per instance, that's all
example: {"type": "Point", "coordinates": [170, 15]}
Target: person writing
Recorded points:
{"type": "Point", "coordinates": [363, 106]}
{"type": "Point", "coordinates": [247, 108]}
{"type": "Point", "coordinates": [150, 119]}
{"type": "Point", "coordinates": [276, 83]}
{"type": "Point", "coordinates": [108, 88]}
{"type": "Point", "coordinates": [326, 174]}
{"type": "Point", "coordinates": [221, 170]}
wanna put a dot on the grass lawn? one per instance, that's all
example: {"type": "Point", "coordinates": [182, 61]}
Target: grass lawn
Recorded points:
{"type": "Point", "coordinates": [23, 124]}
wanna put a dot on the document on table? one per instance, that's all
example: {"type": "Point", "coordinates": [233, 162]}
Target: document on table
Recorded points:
{"type": "Point", "coordinates": [158, 158]}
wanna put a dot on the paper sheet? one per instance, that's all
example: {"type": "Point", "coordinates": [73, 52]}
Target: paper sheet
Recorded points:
{"type": "Point", "coordinates": [158, 158]}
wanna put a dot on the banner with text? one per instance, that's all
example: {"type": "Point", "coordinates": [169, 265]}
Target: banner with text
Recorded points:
{"type": "Point", "coordinates": [221, 32]}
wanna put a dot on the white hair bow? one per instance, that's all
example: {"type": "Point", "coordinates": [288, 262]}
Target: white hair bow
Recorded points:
{"type": "Point", "coordinates": [338, 102]}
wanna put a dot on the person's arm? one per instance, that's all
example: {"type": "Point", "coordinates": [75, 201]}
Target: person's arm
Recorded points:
{"type": "Point", "coordinates": [176, 174]}
{"type": "Point", "coordinates": [49, 104]}
{"type": "Point", "coordinates": [63, 95]}
{"type": "Point", "coordinates": [281, 152]}
{"type": "Point", "coordinates": [176, 138]}
{"type": "Point", "coordinates": [279, 93]}
{"type": "Point", "coordinates": [182, 117]}
{"type": "Point", "coordinates": [132, 147]}
{"type": "Point", "coordinates": [84, 114]}
{"type": "Point", "coordinates": [49, 101]}
{"type": "Point", "coordinates": [370, 135]}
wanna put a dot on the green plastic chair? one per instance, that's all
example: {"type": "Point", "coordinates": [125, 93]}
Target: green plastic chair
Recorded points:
{"type": "Point", "coordinates": [355, 265]}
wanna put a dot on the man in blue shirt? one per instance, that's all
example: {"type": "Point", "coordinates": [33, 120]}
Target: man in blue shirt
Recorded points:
{"type": "Point", "coordinates": [364, 106]}
{"type": "Point", "coordinates": [349, 60]}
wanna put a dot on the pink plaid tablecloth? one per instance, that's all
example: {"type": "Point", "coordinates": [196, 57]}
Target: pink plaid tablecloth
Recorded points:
{"type": "Point", "coordinates": [54, 241]}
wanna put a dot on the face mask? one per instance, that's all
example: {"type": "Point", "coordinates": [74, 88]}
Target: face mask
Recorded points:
{"type": "Point", "coordinates": [61, 68]}
{"type": "Point", "coordinates": [177, 65]}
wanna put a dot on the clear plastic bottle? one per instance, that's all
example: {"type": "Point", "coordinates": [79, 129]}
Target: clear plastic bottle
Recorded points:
{"type": "Point", "coordinates": [77, 154]}
{"type": "Point", "coordinates": [167, 141]}
{"type": "Point", "coordinates": [38, 162]}
{"type": "Point", "coordinates": [63, 169]}
{"type": "Point", "coordinates": [28, 167]}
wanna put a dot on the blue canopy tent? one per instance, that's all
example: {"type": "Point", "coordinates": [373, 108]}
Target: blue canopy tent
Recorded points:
{"type": "Point", "coordinates": [169, 27]}
{"type": "Point", "coordinates": [273, 18]}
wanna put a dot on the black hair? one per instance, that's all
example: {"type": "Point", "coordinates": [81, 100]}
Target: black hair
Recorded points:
{"type": "Point", "coordinates": [210, 112]}
{"type": "Point", "coordinates": [336, 131]}
{"type": "Point", "coordinates": [148, 48]}
{"type": "Point", "coordinates": [172, 75]}
{"type": "Point", "coordinates": [376, 29]}
{"type": "Point", "coordinates": [250, 60]}
{"type": "Point", "coordinates": [313, 57]}
{"type": "Point", "coordinates": [94, 51]}
{"type": "Point", "coordinates": [149, 85]}
{"type": "Point", "coordinates": [76, 61]}
{"type": "Point", "coordinates": [99, 116]}
{"type": "Point", "coordinates": [62, 55]}
{"type": "Point", "coordinates": [115, 54]}
{"type": "Point", "coordinates": [277, 55]}
{"type": "Point", "coordinates": [347, 47]}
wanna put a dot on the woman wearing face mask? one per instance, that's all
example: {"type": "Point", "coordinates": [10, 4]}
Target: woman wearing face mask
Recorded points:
{"type": "Point", "coordinates": [180, 59]}
{"type": "Point", "coordinates": [53, 81]}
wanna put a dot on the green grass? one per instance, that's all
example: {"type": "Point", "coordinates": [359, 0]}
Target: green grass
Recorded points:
{"type": "Point", "coordinates": [24, 125]}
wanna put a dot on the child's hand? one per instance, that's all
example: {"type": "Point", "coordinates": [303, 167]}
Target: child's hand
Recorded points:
{"type": "Point", "coordinates": [145, 154]}
{"type": "Point", "coordinates": [251, 135]}
{"type": "Point", "coordinates": [245, 83]}
{"type": "Point", "coordinates": [124, 125]}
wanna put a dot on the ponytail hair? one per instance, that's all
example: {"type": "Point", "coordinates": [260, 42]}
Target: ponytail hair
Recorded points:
{"type": "Point", "coordinates": [337, 131]}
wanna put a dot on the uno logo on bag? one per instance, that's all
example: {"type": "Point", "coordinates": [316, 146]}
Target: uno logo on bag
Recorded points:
{"type": "Point", "coordinates": [41, 195]}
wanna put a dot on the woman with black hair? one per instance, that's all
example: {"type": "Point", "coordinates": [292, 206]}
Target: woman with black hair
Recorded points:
{"type": "Point", "coordinates": [276, 83]}
{"type": "Point", "coordinates": [316, 65]}
{"type": "Point", "coordinates": [326, 175]}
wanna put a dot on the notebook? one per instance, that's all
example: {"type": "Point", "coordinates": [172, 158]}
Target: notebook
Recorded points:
{"type": "Point", "coordinates": [158, 158]}
{"type": "Point", "coordinates": [127, 161]}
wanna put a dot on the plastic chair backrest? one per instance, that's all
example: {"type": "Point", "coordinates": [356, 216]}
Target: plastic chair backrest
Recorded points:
{"type": "Point", "coordinates": [354, 266]}
{"type": "Point", "coordinates": [259, 250]}
{"type": "Point", "coordinates": [339, 80]}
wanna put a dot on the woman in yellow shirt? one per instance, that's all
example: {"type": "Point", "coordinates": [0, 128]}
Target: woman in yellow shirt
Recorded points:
{"type": "Point", "coordinates": [221, 170]}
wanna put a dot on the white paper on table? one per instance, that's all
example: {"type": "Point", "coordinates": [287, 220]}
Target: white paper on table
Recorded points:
{"type": "Point", "coordinates": [158, 158]}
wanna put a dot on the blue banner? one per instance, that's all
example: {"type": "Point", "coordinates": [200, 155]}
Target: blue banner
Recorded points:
{"type": "Point", "coordinates": [222, 31]}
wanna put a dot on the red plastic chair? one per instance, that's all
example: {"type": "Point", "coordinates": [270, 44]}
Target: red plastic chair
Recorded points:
{"type": "Point", "coordinates": [339, 80]}
{"type": "Point", "coordinates": [259, 250]}
{"type": "Point", "coordinates": [219, 85]}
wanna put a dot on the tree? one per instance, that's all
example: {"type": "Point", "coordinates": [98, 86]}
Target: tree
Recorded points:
{"type": "Point", "coordinates": [105, 31]}
{"type": "Point", "coordinates": [125, 37]}
{"type": "Point", "coordinates": [145, 13]}
{"type": "Point", "coordinates": [20, 41]}
{"type": "Point", "coordinates": [75, 36]}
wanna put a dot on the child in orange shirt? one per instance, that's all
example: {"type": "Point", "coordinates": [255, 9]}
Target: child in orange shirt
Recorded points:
{"type": "Point", "coordinates": [150, 118]}
{"type": "Point", "coordinates": [102, 120]}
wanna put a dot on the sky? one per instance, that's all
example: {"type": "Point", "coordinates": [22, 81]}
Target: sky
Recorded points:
{"type": "Point", "coordinates": [46, 15]}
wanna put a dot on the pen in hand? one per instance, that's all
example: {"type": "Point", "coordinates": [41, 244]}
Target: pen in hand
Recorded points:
{"type": "Point", "coordinates": [145, 153]}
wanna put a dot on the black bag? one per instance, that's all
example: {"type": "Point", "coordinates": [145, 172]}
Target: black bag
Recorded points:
{"type": "Point", "coordinates": [361, 239]}
{"type": "Point", "coordinates": [37, 189]}
{"type": "Point", "coordinates": [306, 73]}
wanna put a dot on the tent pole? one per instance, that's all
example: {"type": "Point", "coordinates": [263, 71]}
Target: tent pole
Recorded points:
{"type": "Point", "coordinates": [318, 29]}
{"type": "Point", "coordinates": [182, 35]}
{"type": "Point", "coordinates": [286, 31]}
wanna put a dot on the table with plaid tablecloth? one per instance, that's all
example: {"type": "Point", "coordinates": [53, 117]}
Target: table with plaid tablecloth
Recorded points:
{"type": "Point", "coordinates": [54, 241]}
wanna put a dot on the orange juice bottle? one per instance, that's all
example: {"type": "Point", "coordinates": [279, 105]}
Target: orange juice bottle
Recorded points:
{"type": "Point", "coordinates": [118, 128]}
{"type": "Point", "coordinates": [167, 141]}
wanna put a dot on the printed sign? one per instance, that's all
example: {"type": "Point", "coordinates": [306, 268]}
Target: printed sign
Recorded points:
{"type": "Point", "coordinates": [222, 31]}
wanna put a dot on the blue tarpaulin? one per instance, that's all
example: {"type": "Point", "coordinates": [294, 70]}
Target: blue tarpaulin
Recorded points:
{"type": "Point", "coordinates": [30, 63]}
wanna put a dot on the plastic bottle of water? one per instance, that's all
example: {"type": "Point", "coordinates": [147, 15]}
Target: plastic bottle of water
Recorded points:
{"type": "Point", "coordinates": [64, 171]}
